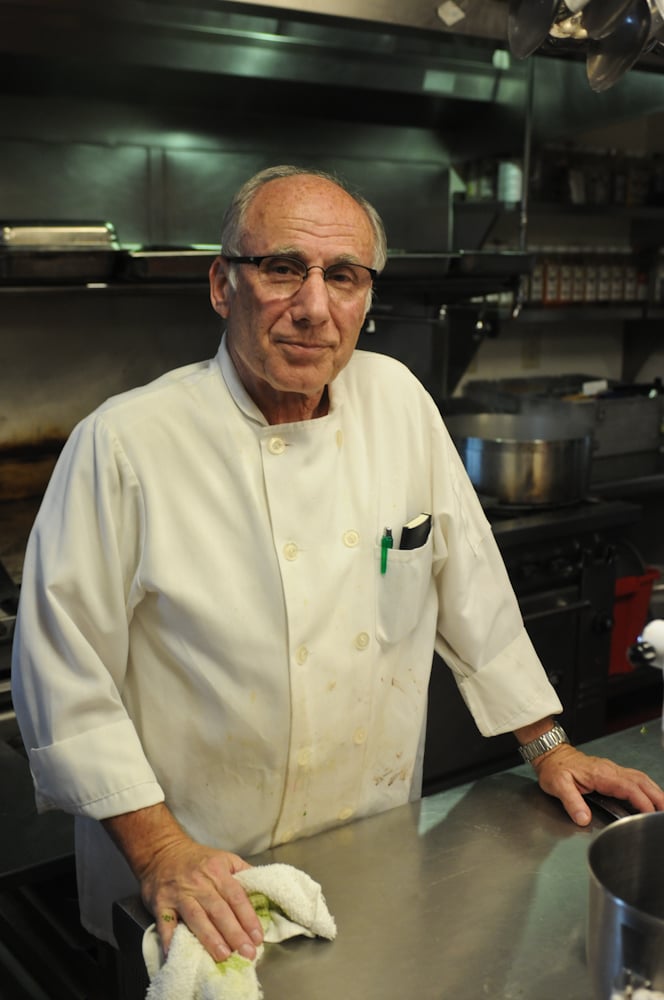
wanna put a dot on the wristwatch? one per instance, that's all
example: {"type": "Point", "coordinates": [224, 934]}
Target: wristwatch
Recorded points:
{"type": "Point", "coordinates": [547, 741]}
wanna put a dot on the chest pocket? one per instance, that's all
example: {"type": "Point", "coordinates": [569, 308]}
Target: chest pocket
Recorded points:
{"type": "Point", "coordinates": [401, 591]}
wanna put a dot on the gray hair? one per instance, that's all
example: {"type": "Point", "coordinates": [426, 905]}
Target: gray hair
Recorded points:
{"type": "Point", "coordinates": [233, 222]}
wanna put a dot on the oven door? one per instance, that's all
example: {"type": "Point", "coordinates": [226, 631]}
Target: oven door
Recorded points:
{"type": "Point", "coordinates": [560, 625]}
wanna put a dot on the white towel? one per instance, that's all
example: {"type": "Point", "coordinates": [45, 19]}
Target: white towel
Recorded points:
{"type": "Point", "coordinates": [640, 993]}
{"type": "Point", "coordinates": [295, 905]}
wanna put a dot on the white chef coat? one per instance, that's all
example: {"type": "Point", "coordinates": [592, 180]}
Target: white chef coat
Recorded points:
{"type": "Point", "coordinates": [203, 617]}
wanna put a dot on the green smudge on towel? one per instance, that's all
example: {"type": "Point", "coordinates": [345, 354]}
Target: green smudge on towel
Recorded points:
{"type": "Point", "coordinates": [261, 904]}
{"type": "Point", "coordinates": [234, 963]}
{"type": "Point", "coordinates": [264, 907]}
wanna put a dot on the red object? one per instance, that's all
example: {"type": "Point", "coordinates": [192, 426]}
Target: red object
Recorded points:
{"type": "Point", "coordinates": [630, 614]}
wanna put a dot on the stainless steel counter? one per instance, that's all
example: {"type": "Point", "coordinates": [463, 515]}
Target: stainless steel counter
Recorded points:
{"type": "Point", "coordinates": [479, 891]}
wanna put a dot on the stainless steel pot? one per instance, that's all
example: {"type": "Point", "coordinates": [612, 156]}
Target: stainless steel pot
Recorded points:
{"type": "Point", "coordinates": [625, 935]}
{"type": "Point", "coordinates": [524, 459]}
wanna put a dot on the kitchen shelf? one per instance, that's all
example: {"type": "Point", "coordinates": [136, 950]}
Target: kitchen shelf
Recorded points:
{"type": "Point", "coordinates": [493, 209]}
{"type": "Point", "coordinates": [595, 312]}
{"type": "Point", "coordinates": [433, 278]}
{"type": "Point", "coordinates": [557, 207]}
{"type": "Point", "coordinates": [476, 220]}
{"type": "Point", "coordinates": [635, 250]}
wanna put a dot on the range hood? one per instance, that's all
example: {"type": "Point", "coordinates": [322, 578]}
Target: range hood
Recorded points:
{"type": "Point", "coordinates": [422, 63]}
{"type": "Point", "coordinates": [473, 18]}
{"type": "Point", "coordinates": [580, 28]}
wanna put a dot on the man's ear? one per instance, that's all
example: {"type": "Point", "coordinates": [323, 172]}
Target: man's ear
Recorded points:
{"type": "Point", "coordinates": [219, 287]}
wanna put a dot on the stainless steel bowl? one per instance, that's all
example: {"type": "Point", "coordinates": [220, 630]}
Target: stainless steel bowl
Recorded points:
{"type": "Point", "coordinates": [625, 937]}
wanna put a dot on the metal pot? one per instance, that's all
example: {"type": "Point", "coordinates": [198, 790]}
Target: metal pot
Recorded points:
{"type": "Point", "coordinates": [525, 459]}
{"type": "Point", "coordinates": [625, 935]}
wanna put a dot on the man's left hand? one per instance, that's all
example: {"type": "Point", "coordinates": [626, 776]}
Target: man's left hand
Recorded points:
{"type": "Point", "coordinates": [569, 774]}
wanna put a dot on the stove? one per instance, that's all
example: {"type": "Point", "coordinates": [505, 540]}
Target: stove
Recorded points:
{"type": "Point", "coordinates": [515, 526]}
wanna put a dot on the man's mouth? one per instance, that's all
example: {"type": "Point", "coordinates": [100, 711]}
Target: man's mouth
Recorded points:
{"type": "Point", "coordinates": [303, 346]}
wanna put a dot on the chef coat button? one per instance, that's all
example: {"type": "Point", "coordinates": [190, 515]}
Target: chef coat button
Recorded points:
{"type": "Point", "coordinates": [301, 655]}
{"type": "Point", "coordinates": [290, 551]}
{"type": "Point", "coordinates": [276, 446]}
{"type": "Point", "coordinates": [346, 813]}
{"type": "Point", "coordinates": [359, 736]}
{"type": "Point", "coordinates": [351, 538]}
{"type": "Point", "coordinates": [362, 640]}
{"type": "Point", "coordinates": [303, 757]}
{"type": "Point", "coordinates": [340, 438]}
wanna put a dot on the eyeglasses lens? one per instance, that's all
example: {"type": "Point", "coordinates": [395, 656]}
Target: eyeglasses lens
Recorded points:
{"type": "Point", "coordinates": [285, 276]}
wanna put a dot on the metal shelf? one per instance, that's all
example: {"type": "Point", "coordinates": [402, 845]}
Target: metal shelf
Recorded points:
{"type": "Point", "coordinates": [600, 312]}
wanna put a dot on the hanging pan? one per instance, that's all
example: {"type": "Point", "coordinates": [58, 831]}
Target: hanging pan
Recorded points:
{"type": "Point", "coordinates": [610, 57]}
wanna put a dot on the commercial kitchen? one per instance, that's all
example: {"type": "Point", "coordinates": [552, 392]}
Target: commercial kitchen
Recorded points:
{"type": "Point", "coordinates": [518, 164]}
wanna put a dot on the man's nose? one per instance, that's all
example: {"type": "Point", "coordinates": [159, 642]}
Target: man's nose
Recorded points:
{"type": "Point", "coordinates": [312, 300]}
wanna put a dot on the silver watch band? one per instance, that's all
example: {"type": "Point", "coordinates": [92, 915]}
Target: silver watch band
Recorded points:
{"type": "Point", "coordinates": [547, 741]}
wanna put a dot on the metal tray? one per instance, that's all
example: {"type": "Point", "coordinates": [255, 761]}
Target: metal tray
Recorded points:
{"type": "Point", "coordinates": [57, 236]}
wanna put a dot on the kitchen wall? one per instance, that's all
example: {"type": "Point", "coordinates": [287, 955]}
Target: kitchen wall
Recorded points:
{"type": "Point", "coordinates": [551, 348]}
{"type": "Point", "coordinates": [162, 172]}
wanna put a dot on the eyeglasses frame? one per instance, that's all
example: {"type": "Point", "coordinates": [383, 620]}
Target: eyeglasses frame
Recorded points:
{"type": "Point", "coordinates": [257, 261]}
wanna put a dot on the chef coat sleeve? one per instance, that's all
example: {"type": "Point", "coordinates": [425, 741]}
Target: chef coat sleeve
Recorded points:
{"type": "Point", "coordinates": [80, 583]}
{"type": "Point", "coordinates": [480, 632]}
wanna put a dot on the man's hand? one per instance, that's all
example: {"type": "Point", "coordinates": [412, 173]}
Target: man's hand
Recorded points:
{"type": "Point", "coordinates": [569, 774]}
{"type": "Point", "coordinates": [188, 881]}
{"type": "Point", "coordinates": [181, 879]}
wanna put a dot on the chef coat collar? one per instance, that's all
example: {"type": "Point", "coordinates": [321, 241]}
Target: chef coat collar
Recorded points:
{"type": "Point", "coordinates": [243, 399]}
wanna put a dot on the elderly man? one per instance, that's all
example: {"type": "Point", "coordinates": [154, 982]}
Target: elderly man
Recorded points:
{"type": "Point", "coordinates": [222, 642]}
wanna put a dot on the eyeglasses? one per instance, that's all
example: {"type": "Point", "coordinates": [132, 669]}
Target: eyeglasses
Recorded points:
{"type": "Point", "coordinates": [286, 275]}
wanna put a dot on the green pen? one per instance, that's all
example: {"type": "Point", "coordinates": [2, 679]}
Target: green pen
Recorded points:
{"type": "Point", "coordinates": [386, 544]}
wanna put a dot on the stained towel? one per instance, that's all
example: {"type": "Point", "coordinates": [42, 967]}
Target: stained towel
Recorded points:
{"type": "Point", "coordinates": [288, 902]}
